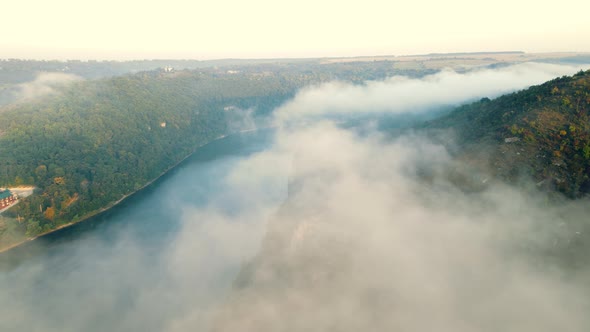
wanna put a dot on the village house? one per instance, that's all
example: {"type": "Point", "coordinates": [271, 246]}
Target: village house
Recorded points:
{"type": "Point", "coordinates": [7, 198]}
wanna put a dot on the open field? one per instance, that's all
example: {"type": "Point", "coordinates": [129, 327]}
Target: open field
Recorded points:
{"type": "Point", "coordinates": [462, 60]}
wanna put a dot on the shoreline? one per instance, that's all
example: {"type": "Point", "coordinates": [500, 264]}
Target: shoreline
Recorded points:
{"type": "Point", "coordinates": [117, 202]}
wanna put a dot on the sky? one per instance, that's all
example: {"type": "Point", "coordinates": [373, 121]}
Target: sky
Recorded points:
{"type": "Point", "coordinates": [181, 29]}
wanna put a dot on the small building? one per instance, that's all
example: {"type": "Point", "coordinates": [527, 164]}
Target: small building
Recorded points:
{"type": "Point", "coordinates": [7, 198]}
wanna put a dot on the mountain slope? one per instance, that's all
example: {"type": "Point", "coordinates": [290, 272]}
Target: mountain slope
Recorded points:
{"type": "Point", "coordinates": [541, 133]}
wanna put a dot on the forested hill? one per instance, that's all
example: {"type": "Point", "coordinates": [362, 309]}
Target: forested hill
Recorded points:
{"type": "Point", "coordinates": [100, 140]}
{"type": "Point", "coordinates": [96, 141]}
{"type": "Point", "coordinates": [541, 133]}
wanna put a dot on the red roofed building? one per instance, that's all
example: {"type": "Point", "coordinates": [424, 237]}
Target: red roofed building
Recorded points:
{"type": "Point", "coordinates": [7, 198]}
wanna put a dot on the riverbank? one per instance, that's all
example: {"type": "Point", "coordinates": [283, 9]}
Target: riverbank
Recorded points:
{"type": "Point", "coordinates": [95, 213]}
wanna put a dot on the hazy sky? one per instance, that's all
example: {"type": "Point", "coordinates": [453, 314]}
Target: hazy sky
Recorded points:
{"type": "Point", "coordinates": [278, 28]}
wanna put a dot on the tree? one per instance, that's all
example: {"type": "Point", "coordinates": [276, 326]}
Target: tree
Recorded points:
{"type": "Point", "coordinates": [33, 228]}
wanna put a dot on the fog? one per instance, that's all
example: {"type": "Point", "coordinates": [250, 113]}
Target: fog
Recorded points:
{"type": "Point", "coordinates": [46, 83]}
{"type": "Point", "coordinates": [373, 237]}
{"type": "Point", "coordinates": [363, 244]}
{"type": "Point", "coordinates": [401, 94]}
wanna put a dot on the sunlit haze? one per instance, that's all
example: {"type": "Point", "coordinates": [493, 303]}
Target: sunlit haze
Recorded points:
{"type": "Point", "coordinates": [109, 29]}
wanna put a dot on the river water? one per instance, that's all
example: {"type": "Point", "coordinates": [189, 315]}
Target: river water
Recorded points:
{"type": "Point", "coordinates": [158, 261]}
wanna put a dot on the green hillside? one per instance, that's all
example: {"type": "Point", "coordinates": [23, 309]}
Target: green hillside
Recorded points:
{"type": "Point", "coordinates": [97, 141]}
{"type": "Point", "coordinates": [541, 133]}
{"type": "Point", "coordinates": [100, 140]}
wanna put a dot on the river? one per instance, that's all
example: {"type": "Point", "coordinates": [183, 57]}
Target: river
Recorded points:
{"type": "Point", "coordinates": [160, 259]}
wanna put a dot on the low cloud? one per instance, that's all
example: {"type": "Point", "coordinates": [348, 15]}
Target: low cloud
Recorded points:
{"type": "Point", "coordinates": [46, 83]}
{"type": "Point", "coordinates": [239, 119]}
{"type": "Point", "coordinates": [401, 94]}
{"type": "Point", "coordinates": [365, 244]}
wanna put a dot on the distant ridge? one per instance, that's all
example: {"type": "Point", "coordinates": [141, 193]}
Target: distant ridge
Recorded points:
{"type": "Point", "coordinates": [475, 53]}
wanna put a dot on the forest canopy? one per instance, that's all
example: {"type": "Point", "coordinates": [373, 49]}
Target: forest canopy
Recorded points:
{"type": "Point", "coordinates": [96, 141]}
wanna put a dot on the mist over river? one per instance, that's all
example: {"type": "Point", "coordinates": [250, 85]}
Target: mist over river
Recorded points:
{"type": "Point", "coordinates": [155, 252]}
